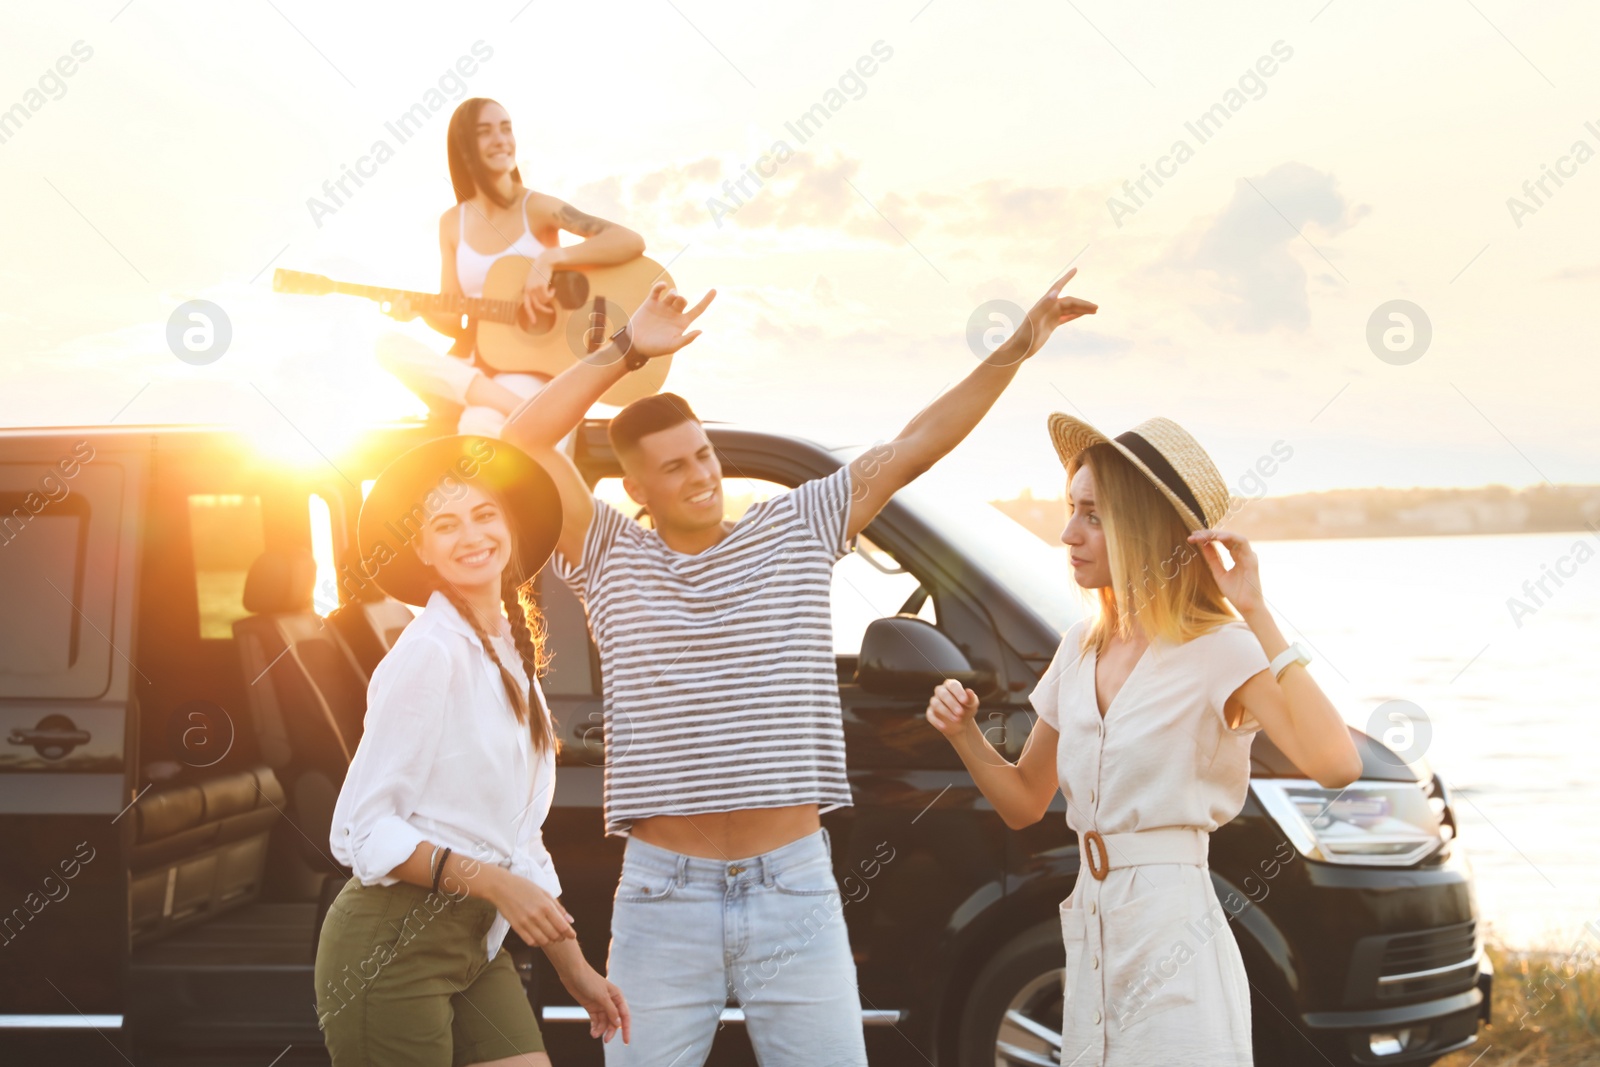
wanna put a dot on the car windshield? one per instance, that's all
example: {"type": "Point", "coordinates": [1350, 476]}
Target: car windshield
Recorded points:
{"type": "Point", "coordinates": [1036, 573]}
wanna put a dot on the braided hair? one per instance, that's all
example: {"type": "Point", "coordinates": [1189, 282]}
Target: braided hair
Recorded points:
{"type": "Point", "coordinates": [528, 634]}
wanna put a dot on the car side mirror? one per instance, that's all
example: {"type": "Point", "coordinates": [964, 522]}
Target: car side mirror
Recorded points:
{"type": "Point", "coordinates": [903, 655]}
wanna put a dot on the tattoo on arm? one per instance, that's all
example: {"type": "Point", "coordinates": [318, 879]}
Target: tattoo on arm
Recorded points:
{"type": "Point", "coordinates": [575, 221]}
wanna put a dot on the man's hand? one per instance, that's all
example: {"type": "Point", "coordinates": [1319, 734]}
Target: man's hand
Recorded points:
{"type": "Point", "coordinates": [879, 473]}
{"type": "Point", "coordinates": [1051, 311]}
{"type": "Point", "coordinates": [657, 329]}
{"type": "Point", "coordinates": [658, 326]}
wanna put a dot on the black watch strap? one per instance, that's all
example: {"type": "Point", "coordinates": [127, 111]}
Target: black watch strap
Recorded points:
{"type": "Point", "coordinates": [623, 339]}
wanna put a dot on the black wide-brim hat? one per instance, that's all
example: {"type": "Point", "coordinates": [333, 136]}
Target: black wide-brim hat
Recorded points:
{"type": "Point", "coordinates": [437, 471]}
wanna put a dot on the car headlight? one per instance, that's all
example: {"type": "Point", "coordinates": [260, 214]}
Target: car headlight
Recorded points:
{"type": "Point", "coordinates": [1367, 823]}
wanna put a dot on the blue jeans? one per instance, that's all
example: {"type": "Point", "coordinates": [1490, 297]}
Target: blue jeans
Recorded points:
{"type": "Point", "coordinates": [689, 934]}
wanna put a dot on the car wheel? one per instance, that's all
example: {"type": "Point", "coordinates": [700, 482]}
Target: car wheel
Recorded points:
{"type": "Point", "coordinates": [1012, 1016]}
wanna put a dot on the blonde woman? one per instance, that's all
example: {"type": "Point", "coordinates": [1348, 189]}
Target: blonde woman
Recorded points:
{"type": "Point", "coordinates": [1146, 715]}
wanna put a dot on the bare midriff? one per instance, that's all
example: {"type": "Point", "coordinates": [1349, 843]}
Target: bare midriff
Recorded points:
{"type": "Point", "coordinates": [721, 835]}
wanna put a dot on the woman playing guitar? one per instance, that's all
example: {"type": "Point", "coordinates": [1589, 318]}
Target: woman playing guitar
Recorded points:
{"type": "Point", "coordinates": [494, 211]}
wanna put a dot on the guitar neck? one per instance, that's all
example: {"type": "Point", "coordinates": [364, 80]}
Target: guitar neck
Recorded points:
{"type": "Point", "coordinates": [453, 304]}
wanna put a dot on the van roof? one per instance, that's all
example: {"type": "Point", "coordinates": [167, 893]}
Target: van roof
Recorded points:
{"type": "Point", "coordinates": [130, 432]}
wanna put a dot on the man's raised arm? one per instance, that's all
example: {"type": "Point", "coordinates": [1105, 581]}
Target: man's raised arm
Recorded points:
{"type": "Point", "coordinates": [577, 503]}
{"type": "Point", "coordinates": [881, 471]}
{"type": "Point", "coordinates": [538, 425]}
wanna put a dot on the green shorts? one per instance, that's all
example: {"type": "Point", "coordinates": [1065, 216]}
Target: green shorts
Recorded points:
{"type": "Point", "coordinates": [402, 981]}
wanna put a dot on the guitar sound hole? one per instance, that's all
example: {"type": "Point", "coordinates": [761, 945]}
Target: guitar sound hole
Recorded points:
{"type": "Point", "coordinates": [571, 288]}
{"type": "Point", "coordinates": [528, 324]}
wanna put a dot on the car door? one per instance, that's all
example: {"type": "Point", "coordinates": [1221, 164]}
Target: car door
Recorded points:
{"type": "Point", "coordinates": [69, 516]}
{"type": "Point", "coordinates": [586, 860]}
{"type": "Point", "coordinates": [921, 853]}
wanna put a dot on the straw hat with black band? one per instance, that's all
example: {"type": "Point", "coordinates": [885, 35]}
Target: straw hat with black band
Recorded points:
{"type": "Point", "coordinates": [406, 491]}
{"type": "Point", "coordinates": [1176, 464]}
{"type": "Point", "coordinates": [1165, 453]}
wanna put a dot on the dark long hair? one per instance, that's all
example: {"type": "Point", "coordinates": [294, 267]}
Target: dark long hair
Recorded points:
{"type": "Point", "coordinates": [467, 173]}
{"type": "Point", "coordinates": [527, 633]}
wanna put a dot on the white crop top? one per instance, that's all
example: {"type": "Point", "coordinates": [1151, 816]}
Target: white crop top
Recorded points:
{"type": "Point", "coordinates": [472, 266]}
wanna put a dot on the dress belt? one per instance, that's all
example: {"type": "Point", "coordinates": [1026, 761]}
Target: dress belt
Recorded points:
{"type": "Point", "coordinates": [1104, 853]}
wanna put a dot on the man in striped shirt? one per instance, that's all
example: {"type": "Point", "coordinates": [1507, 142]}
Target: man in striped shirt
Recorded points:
{"type": "Point", "coordinates": [724, 737]}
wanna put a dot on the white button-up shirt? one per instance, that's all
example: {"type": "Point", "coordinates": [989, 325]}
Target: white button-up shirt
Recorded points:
{"type": "Point", "coordinates": [443, 759]}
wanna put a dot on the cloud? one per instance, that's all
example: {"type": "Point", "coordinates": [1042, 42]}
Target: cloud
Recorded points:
{"type": "Point", "coordinates": [802, 191]}
{"type": "Point", "coordinates": [819, 192]}
{"type": "Point", "coordinates": [1252, 250]}
{"type": "Point", "coordinates": [1576, 274]}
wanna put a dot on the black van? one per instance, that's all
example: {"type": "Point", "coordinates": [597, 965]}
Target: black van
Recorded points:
{"type": "Point", "coordinates": [182, 681]}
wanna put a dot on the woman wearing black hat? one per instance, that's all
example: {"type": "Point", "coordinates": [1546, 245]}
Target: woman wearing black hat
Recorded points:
{"type": "Point", "coordinates": [1146, 715]}
{"type": "Point", "coordinates": [440, 813]}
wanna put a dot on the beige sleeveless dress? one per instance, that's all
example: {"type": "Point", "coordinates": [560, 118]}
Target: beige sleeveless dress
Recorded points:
{"type": "Point", "coordinates": [1153, 972]}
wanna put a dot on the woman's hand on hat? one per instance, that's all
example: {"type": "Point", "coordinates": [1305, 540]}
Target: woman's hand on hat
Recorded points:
{"type": "Point", "coordinates": [1051, 310]}
{"type": "Point", "coordinates": [658, 326]}
{"type": "Point", "coordinates": [1241, 583]}
{"type": "Point", "coordinates": [952, 707]}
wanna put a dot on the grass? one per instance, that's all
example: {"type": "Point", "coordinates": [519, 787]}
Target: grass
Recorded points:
{"type": "Point", "coordinates": [1546, 1010]}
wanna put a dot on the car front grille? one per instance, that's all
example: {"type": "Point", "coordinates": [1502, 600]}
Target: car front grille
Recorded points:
{"type": "Point", "coordinates": [1441, 960]}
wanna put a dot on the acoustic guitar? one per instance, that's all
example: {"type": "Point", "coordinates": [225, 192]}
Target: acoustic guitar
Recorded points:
{"type": "Point", "coordinates": [591, 303]}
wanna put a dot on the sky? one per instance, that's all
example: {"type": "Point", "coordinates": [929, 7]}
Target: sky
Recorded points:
{"type": "Point", "coordinates": [1317, 162]}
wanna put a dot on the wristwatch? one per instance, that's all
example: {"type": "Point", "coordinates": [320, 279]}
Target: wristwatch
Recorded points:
{"type": "Point", "coordinates": [623, 339]}
{"type": "Point", "coordinates": [1295, 653]}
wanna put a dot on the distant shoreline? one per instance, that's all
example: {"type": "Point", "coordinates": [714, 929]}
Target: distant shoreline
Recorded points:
{"type": "Point", "coordinates": [1372, 513]}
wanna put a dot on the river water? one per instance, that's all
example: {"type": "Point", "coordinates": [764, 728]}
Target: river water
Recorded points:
{"type": "Point", "coordinates": [1508, 678]}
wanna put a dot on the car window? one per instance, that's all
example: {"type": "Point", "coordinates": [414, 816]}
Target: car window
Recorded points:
{"type": "Point", "coordinates": [45, 638]}
{"type": "Point", "coordinates": [325, 594]}
{"type": "Point", "coordinates": [571, 671]}
{"type": "Point", "coordinates": [870, 584]}
{"type": "Point", "coordinates": [226, 532]}
{"type": "Point", "coordinates": [58, 567]}
{"type": "Point", "coordinates": [1030, 568]}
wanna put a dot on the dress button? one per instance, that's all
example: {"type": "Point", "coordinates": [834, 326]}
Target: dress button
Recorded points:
{"type": "Point", "coordinates": [1091, 907]}
{"type": "Point", "coordinates": [1097, 1018]}
{"type": "Point", "coordinates": [1091, 796]}
{"type": "Point", "coordinates": [1094, 963]}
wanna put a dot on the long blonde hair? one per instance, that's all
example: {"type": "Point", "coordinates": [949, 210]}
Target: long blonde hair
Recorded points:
{"type": "Point", "coordinates": [1159, 581]}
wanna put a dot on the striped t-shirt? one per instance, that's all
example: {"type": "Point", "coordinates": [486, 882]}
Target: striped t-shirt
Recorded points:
{"type": "Point", "coordinates": [721, 690]}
